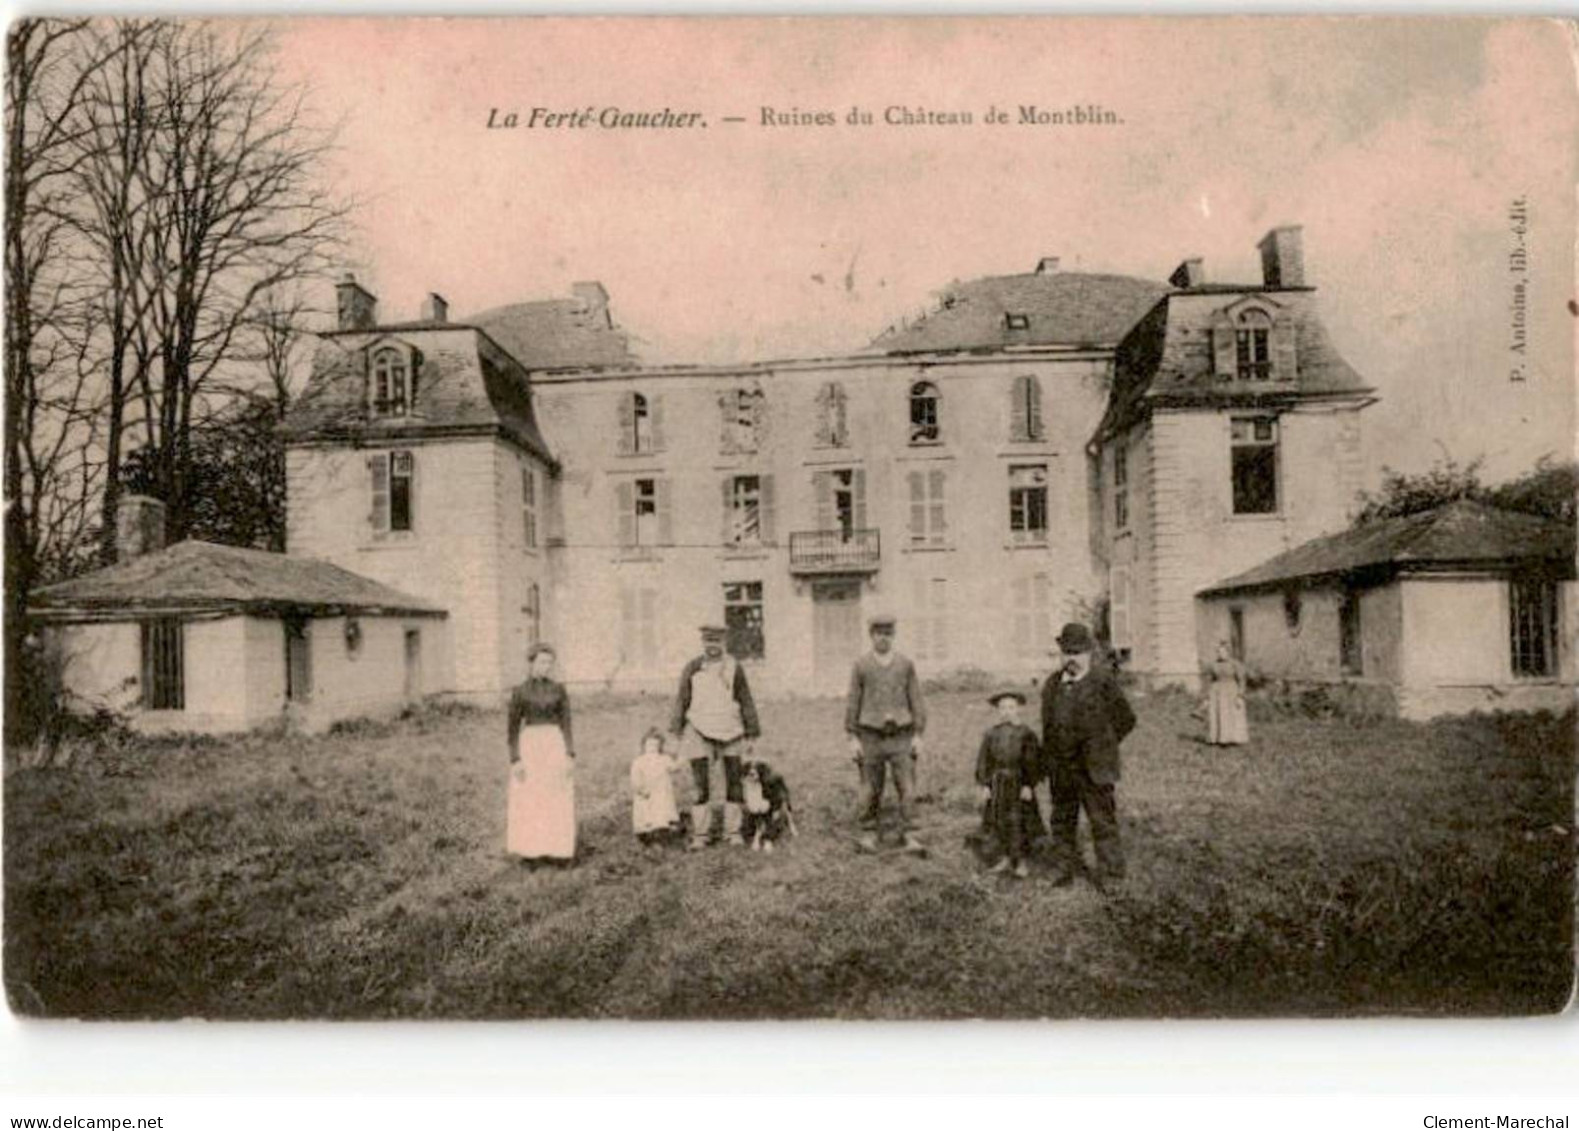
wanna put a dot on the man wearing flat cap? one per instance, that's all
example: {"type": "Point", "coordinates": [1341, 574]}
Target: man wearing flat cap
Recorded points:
{"type": "Point", "coordinates": [885, 716]}
{"type": "Point", "coordinates": [1084, 718]}
{"type": "Point", "coordinates": [715, 717]}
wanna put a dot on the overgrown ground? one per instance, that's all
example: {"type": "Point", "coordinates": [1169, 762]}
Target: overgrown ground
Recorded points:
{"type": "Point", "coordinates": [1328, 868]}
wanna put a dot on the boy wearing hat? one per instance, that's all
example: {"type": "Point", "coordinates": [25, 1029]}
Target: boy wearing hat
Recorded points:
{"type": "Point", "coordinates": [1008, 766]}
{"type": "Point", "coordinates": [885, 716]}
{"type": "Point", "coordinates": [715, 717]}
{"type": "Point", "coordinates": [1084, 718]}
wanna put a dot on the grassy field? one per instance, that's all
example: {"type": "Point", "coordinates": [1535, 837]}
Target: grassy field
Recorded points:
{"type": "Point", "coordinates": [1328, 868]}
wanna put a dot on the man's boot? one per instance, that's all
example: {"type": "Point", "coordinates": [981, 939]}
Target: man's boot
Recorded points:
{"type": "Point", "coordinates": [701, 826]}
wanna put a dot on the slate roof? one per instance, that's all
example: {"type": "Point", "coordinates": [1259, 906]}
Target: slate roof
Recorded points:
{"type": "Point", "coordinates": [1458, 535]}
{"type": "Point", "coordinates": [198, 576]}
{"type": "Point", "coordinates": [1167, 358]}
{"type": "Point", "coordinates": [558, 334]}
{"type": "Point", "coordinates": [465, 382]}
{"type": "Point", "coordinates": [1063, 309]}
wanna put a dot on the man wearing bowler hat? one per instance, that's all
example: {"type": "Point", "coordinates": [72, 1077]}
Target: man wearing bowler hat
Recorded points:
{"type": "Point", "coordinates": [884, 716]}
{"type": "Point", "coordinates": [715, 718]}
{"type": "Point", "coordinates": [1084, 718]}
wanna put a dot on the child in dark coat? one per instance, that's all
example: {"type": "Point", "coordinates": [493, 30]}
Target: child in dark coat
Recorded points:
{"type": "Point", "coordinates": [1007, 768]}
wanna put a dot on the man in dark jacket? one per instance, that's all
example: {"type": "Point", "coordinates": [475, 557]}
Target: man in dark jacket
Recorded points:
{"type": "Point", "coordinates": [716, 719]}
{"type": "Point", "coordinates": [1084, 718]}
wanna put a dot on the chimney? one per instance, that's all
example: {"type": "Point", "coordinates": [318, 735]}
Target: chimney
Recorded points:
{"type": "Point", "coordinates": [435, 309]}
{"type": "Point", "coordinates": [139, 527]}
{"type": "Point", "coordinates": [357, 306]}
{"type": "Point", "coordinates": [594, 303]}
{"type": "Point", "coordinates": [1047, 265]}
{"type": "Point", "coordinates": [1283, 257]}
{"type": "Point", "coordinates": [1188, 274]}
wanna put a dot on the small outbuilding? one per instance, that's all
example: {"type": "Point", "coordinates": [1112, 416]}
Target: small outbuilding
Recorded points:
{"type": "Point", "coordinates": [208, 638]}
{"type": "Point", "coordinates": [1461, 608]}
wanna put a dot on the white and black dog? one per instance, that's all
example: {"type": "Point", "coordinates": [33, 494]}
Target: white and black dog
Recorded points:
{"type": "Point", "coordinates": [769, 815]}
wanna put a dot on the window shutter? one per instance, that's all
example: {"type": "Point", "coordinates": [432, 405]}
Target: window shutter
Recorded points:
{"type": "Point", "coordinates": [841, 428]}
{"type": "Point", "coordinates": [937, 525]}
{"type": "Point", "coordinates": [918, 506]}
{"type": "Point", "coordinates": [1118, 608]}
{"type": "Point", "coordinates": [825, 426]}
{"type": "Point", "coordinates": [627, 423]}
{"type": "Point", "coordinates": [665, 512]}
{"type": "Point", "coordinates": [765, 511]}
{"type": "Point", "coordinates": [858, 489]}
{"type": "Point", "coordinates": [655, 421]}
{"type": "Point", "coordinates": [1225, 359]}
{"type": "Point", "coordinates": [378, 475]}
{"type": "Point", "coordinates": [727, 410]}
{"type": "Point", "coordinates": [822, 489]}
{"type": "Point", "coordinates": [1284, 357]}
{"type": "Point", "coordinates": [1019, 425]}
{"type": "Point", "coordinates": [625, 512]}
{"type": "Point", "coordinates": [1033, 427]}
{"type": "Point", "coordinates": [628, 626]}
{"type": "Point", "coordinates": [727, 509]}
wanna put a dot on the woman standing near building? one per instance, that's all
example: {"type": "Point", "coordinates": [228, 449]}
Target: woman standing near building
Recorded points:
{"type": "Point", "coordinates": [1226, 723]}
{"type": "Point", "coordinates": [541, 822]}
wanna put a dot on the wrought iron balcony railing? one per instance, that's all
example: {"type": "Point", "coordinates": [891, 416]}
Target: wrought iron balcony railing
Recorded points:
{"type": "Point", "coordinates": [835, 551]}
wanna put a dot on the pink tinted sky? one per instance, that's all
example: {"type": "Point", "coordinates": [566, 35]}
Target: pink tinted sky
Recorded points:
{"type": "Point", "coordinates": [1398, 144]}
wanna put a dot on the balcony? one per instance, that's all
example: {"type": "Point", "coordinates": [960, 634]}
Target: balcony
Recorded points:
{"type": "Point", "coordinates": [834, 551]}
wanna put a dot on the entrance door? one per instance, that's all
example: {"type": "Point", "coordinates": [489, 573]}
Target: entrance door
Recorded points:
{"type": "Point", "coordinates": [298, 661]}
{"type": "Point", "coordinates": [414, 664]}
{"type": "Point", "coordinates": [836, 632]}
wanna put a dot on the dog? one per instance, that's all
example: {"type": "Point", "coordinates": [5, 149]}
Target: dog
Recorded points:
{"type": "Point", "coordinates": [769, 815]}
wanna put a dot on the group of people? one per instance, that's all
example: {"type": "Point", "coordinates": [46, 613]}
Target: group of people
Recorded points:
{"type": "Point", "coordinates": [714, 722]}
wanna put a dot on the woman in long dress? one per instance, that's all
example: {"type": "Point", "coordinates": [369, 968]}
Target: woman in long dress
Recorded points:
{"type": "Point", "coordinates": [1226, 722]}
{"type": "Point", "coordinates": [541, 821]}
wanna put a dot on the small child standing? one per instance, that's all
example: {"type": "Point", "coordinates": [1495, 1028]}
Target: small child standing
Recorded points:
{"type": "Point", "coordinates": [654, 814]}
{"type": "Point", "coordinates": [1007, 768]}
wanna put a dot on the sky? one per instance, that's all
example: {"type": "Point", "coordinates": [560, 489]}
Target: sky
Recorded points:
{"type": "Point", "coordinates": [1399, 145]}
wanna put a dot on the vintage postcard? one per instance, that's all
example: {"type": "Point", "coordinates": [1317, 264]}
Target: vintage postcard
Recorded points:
{"type": "Point", "coordinates": [838, 518]}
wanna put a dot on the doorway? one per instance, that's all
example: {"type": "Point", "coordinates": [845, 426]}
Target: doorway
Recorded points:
{"type": "Point", "coordinates": [836, 632]}
{"type": "Point", "coordinates": [413, 665]}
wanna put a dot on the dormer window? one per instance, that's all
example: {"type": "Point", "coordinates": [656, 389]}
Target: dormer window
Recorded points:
{"type": "Point", "coordinates": [1253, 346]}
{"type": "Point", "coordinates": [394, 386]}
{"type": "Point", "coordinates": [1017, 321]}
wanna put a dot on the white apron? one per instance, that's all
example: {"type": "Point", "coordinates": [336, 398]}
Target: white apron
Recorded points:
{"type": "Point", "coordinates": [542, 808]}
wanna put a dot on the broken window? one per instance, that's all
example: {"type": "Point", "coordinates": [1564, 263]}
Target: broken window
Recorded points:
{"type": "Point", "coordinates": [1254, 441]}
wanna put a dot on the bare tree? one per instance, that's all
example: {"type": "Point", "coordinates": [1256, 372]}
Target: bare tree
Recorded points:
{"type": "Point", "coordinates": [238, 212]}
{"type": "Point", "coordinates": [49, 376]}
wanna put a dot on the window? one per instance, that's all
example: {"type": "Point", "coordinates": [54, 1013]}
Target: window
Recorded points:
{"type": "Point", "coordinates": [929, 631]}
{"type": "Point", "coordinates": [1236, 632]}
{"type": "Point", "coordinates": [1030, 615]}
{"type": "Point", "coordinates": [164, 665]}
{"type": "Point", "coordinates": [742, 411]}
{"type": "Point", "coordinates": [1254, 441]}
{"type": "Point", "coordinates": [640, 425]}
{"type": "Point", "coordinates": [1028, 504]}
{"type": "Point", "coordinates": [1351, 656]}
{"type": "Point", "coordinates": [1252, 346]}
{"type": "Point", "coordinates": [392, 475]}
{"type": "Point", "coordinates": [1292, 609]}
{"type": "Point", "coordinates": [924, 424]}
{"type": "Point", "coordinates": [639, 627]}
{"type": "Point", "coordinates": [928, 526]}
{"type": "Point", "coordinates": [1532, 607]}
{"type": "Point", "coordinates": [1025, 409]}
{"type": "Point", "coordinates": [528, 507]}
{"type": "Point", "coordinates": [832, 416]}
{"type": "Point", "coordinates": [1120, 485]}
{"type": "Point", "coordinates": [1119, 634]}
{"type": "Point", "coordinates": [532, 613]}
{"type": "Point", "coordinates": [393, 389]}
{"type": "Point", "coordinates": [643, 513]}
{"type": "Point", "coordinates": [743, 619]}
{"type": "Point", "coordinates": [748, 510]}
{"type": "Point", "coordinates": [1017, 321]}
{"type": "Point", "coordinates": [298, 660]}
{"type": "Point", "coordinates": [841, 500]}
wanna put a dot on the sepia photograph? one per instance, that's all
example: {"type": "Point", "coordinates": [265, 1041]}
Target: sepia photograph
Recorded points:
{"type": "Point", "coordinates": [838, 518]}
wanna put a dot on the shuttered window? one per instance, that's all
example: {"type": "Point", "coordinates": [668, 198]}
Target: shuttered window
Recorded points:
{"type": "Point", "coordinates": [643, 513]}
{"type": "Point", "coordinates": [1119, 609]}
{"type": "Point", "coordinates": [1025, 409]}
{"type": "Point", "coordinates": [749, 518]}
{"type": "Point", "coordinates": [929, 635]}
{"type": "Point", "coordinates": [928, 518]}
{"type": "Point", "coordinates": [1030, 615]}
{"type": "Point", "coordinates": [391, 477]}
{"type": "Point", "coordinates": [1120, 485]}
{"type": "Point", "coordinates": [743, 617]}
{"type": "Point", "coordinates": [1028, 504]}
{"type": "Point", "coordinates": [528, 506]}
{"type": "Point", "coordinates": [164, 664]}
{"type": "Point", "coordinates": [1532, 608]}
{"type": "Point", "coordinates": [926, 424]}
